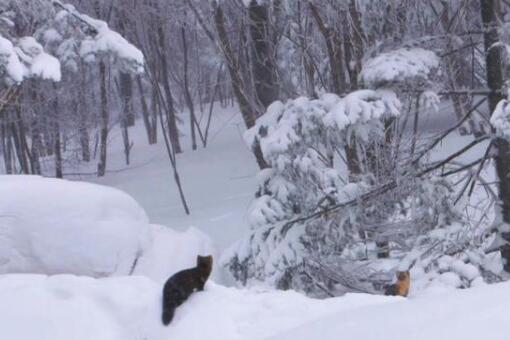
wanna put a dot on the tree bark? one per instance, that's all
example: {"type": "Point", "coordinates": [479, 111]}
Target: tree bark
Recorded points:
{"type": "Point", "coordinates": [187, 94]}
{"type": "Point", "coordinates": [248, 111]}
{"type": "Point", "coordinates": [57, 151]}
{"type": "Point", "coordinates": [489, 14]}
{"type": "Point", "coordinates": [263, 65]}
{"type": "Point", "coordinates": [101, 167]}
{"type": "Point", "coordinates": [145, 113]}
{"type": "Point", "coordinates": [173, 130]}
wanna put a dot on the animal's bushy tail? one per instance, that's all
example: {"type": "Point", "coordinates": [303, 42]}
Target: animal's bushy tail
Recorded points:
{"type": "Point", "coordinates": [168, 315]}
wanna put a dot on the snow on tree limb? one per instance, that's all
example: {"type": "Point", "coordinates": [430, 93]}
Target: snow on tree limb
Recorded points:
{"type": "Point", "coordinates": [500, 119]}
{"type": "Point", "coordinates": [103, 40]}
{"type": "Point", "coordinates": [27, 59]}
{"type": "Point", "coordinates": [399, 66]}
{"type": "Point", "coordinates": [9, 61]}
{"type": "Point", "coordinates": [288, 126]}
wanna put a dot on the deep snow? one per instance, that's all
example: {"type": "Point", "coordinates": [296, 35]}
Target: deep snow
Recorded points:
{"type": "Point", "coordinates": [63, 307]}
{"type": "Point", "coordinates": [52, 226]}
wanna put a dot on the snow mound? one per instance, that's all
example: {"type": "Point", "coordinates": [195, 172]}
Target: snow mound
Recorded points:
{"type": "Point", "coordinates": [52, 226]}
{"type": "Point", "coordinates": [172, 251]}
{"type": "Point", "coordinates": [63, 307]}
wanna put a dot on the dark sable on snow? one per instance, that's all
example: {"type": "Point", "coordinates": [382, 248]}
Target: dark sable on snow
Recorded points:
{"type": "Point", "coordinates": [401, 287]}
{"type": "Point", "coordinates": [181, 285]}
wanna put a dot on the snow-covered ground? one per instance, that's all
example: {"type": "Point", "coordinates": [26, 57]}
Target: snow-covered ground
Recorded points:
{"type": "Point", "coordinates": [63, 307]}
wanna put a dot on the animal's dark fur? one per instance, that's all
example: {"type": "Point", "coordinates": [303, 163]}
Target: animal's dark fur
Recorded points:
{"type": "Point", "coordinates": [401, 287]}
{"type": "Point", "coordinates": [181, 285]}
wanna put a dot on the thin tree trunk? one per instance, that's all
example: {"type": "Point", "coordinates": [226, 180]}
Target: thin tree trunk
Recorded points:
{"type": "Point", "coordinates": [334, 49]}
{"type": "Point", "coordinates": [56, 135]}
{"type": "Point", "coordinates": [37, 142]}
{"type": "Point", "coordinates": [6, 146]}
{"type": "Point", "coordinates": [145, 112]}
{"type": "Point", "coordinates": [83, 128]}
{"type": "Point", "coordinates": [187, 94]}
{"type": "Point", "coordinates": [101, 166]}
{"type": "Point", "coordinates": [173, 162]}
{"type": "Point", "coordinates": [18, 131]}
{"type": "Point", "coordinates": [170, 109]}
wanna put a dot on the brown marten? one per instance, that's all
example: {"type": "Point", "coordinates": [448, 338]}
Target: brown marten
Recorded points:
{"type": "Point", "coordinates": [179, 286]}
{"type": "Point", "coordinates": [401, 287]}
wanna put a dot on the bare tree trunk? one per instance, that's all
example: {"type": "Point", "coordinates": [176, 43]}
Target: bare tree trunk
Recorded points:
{"type": "Point", "coordinates": [489, 14]}
{"type": "Point", "coordinates": [173, 130]}
{"type": "Point", "coordinates": [6, 145]}
{"type": "Point", "coordinates": [101, 166]}
{"type": "Point", "coordinates": [125, 139]}
{"type": "Point", "coordinates": [248, 112]}
{"type": "Point", "coordinates": [128, 116]}
{"type": "Point", "coordinates": [35, 130]}
{"type": "Point", "coordinates": [145, 113]}
{"type": "Point", "coordinates": [126, 92]}
{"type": "Point", "coordinates": [263, 66]}
{"type": "Point", "coordinates": [187, 94]}
{"type": "Point", "coordinates": [20, 145]}
{"type": "Point", "coordinates": [173, 161]}
{"type": "Point", "coordinates": [334, 49]}
{"type": "Point", "coordinates": [83, 126]}
{"type": "Point", "coordinates": [56, 135]}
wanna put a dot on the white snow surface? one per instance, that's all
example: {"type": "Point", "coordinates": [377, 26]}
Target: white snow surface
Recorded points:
{"type": "Point", "coordinates": [63, 307]}
{"type": "Point", "coordinates": [106, 41]}
{"type": "Point", "coordinates": [53, 226]}
{"type": "Point", "coordinates": [171, 251]}
{"type": "Point", "coordinates": [472, 314]}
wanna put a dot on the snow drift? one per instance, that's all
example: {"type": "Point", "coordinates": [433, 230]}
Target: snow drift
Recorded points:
{"type": "Point", "coordinates": [63, 307]}
{"type": "Point", "coordinates": [52, 226]}
{"type": "Point", "coordinates": [79, 308]}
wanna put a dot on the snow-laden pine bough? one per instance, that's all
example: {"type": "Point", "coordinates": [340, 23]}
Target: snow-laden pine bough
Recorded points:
{"type": "Point", "coordinates": [323, 230]}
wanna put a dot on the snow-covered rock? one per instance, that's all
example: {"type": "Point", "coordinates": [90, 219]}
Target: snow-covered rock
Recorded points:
{"type": "Point", "coordinates": [53, 226]}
